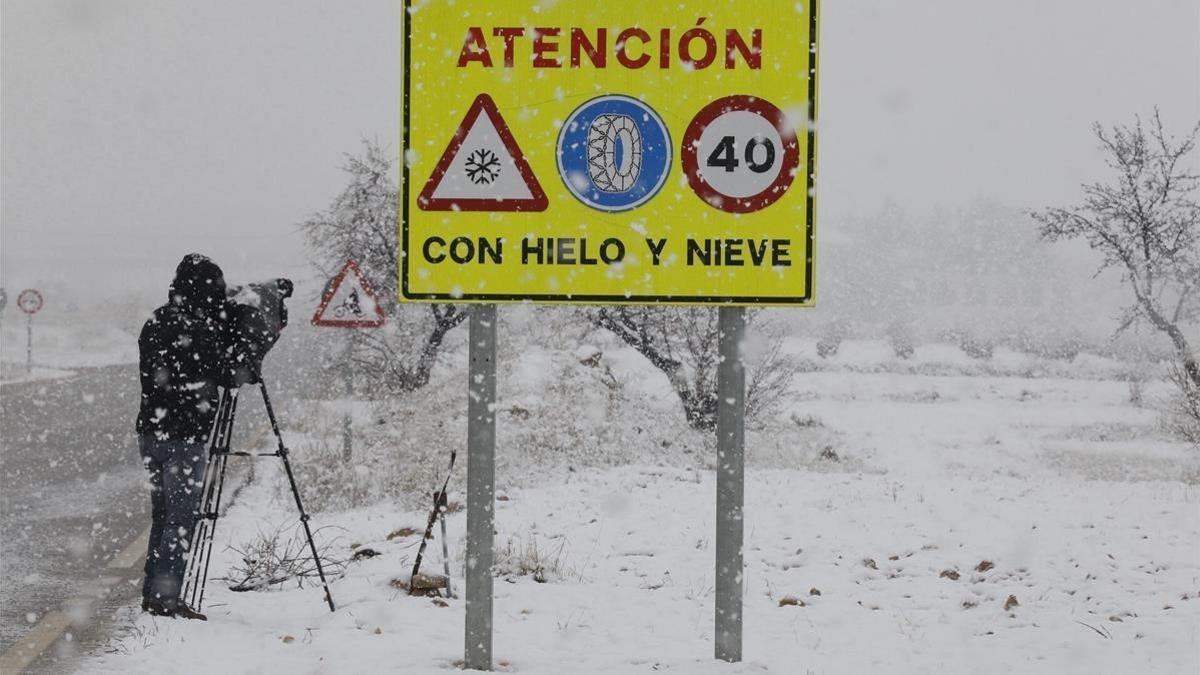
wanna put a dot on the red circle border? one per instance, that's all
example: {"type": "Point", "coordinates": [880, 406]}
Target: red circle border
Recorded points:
{"type": "Point", "coordinates": [691, 165]}
{"type": "Point", "coordinates": [34, 293]}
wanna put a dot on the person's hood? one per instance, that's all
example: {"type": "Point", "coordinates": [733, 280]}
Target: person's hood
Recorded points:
{"type": "Point", "coordinates": [199, 285]}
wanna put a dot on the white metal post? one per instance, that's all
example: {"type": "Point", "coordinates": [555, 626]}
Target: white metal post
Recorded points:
{"type": "Point", "coordinates": [731, 469]}
{"type": "Point", "coordinates": [481, 486]}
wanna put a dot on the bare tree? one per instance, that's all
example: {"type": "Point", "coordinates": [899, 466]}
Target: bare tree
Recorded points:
{"type": "Point", "coordinates": [1145, 221]}
{"type": "Point", "coordinates": [361, 225]}
{"type": "Point", "coordinates": [682, 343]}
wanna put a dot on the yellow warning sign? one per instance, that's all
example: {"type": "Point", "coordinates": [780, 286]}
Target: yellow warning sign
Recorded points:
{"type": "Point", "coordinates": [609, 152]}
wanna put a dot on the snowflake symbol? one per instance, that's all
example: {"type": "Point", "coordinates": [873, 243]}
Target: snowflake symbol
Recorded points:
{"type": "Point", "coordinates": [483, 166]}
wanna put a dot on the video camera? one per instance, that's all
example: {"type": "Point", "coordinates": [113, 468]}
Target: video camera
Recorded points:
{"type": "Point", "coordinates": [255, 316]}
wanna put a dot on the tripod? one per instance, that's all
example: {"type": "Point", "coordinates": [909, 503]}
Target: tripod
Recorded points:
{"type": "Point", "coordinates": [196, 577]}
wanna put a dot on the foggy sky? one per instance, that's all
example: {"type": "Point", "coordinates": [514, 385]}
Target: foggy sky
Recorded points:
{"type": "Point", "coordinates": [136, 131]}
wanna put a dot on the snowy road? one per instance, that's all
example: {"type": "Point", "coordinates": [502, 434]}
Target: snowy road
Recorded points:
{"type": "Point", "coordinates": [71, 494]}
{"type": "Point", "coordinates": [73, 504]}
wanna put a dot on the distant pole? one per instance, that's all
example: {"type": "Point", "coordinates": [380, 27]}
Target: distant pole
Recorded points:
{"type": "Point", "coordinates": [29, 344]}
{"type": "Point", "coordinates": [731, 474]}
{"type": "Point", "coordinates": [348, 379]}
{"type": "Point", "coordinates": [481, 486]}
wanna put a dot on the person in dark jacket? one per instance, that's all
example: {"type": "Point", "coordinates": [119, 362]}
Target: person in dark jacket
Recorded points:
{"type": "Point", "coordinates": [181, 357]}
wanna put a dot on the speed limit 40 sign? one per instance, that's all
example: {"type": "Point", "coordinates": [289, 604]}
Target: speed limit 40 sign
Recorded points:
{"type": "Point", "coordinates": [632, 153]}
{"type": "Point", "coordinates": [740, 154]}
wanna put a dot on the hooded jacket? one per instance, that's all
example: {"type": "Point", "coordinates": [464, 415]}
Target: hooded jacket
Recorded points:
{"type": "Point", "coordinates": [181, 355]}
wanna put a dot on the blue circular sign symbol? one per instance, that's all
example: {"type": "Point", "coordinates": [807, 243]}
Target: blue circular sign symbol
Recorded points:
{"type": "Point", "coordinates": [614, 153]}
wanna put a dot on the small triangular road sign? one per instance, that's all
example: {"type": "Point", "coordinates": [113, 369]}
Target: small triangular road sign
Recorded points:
{"type": "Point", "coordinates": [483, 168]}
{"type": "Point", "coordinates": [349, 301]}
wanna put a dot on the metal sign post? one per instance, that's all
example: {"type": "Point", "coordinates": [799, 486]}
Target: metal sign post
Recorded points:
{"type": "Point", "coordinates": [481, 486]}
{"type": "Point", "coordinates": [348, 377]}
{"type": "Point", "coordinates": [731, 470]}
{"type": "Point", "coordinates": [29, 345]}
{"type": "Point", "coordinates": [30, 302]}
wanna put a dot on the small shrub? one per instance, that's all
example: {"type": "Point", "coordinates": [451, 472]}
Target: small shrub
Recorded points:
{"type": "Point", "coordinates": [522, 557]}
{"type": "Point", "coordinates": [901, 340]}
{"type": "Point", "coordinates": [1066, 347]}
{"type": "Point", "coordinates": [272, 558]}
{"type": "Point", "coordinates": [831, 340]}
{"type": "Point", "coordinates": [806, 421]}
{"type": "Point", "coordinates": [1137, 388]}
{"type": "Point", "coordinates": [973, 345]}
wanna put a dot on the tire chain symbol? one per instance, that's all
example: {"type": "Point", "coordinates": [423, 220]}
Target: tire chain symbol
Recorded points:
{"type": "Point", "coordinates": [602, 138]}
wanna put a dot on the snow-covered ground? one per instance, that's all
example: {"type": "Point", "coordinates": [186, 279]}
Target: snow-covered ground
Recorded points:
{"type": "Point", "coordinates": [60, 344]}
{"type": "Point", "coordinates": [967, 524]}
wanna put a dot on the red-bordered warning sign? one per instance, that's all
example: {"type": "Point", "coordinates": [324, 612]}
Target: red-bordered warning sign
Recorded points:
{"type": "Point", "coordinates": [483, 168]}
{"type": "Point", "coordinates": [349, 301]}
{"type": "Point", "coordinates": [30, 301]}
{"type": "Point", "coordinates": [740, 154]}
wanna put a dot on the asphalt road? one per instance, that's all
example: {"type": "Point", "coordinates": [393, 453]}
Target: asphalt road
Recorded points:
{"type": "Point", "coordinates": [72, 495]}
{"type": "Point", "coordinates": [74, 502]}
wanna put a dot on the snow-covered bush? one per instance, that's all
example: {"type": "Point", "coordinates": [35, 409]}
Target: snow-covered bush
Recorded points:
{"type": "Point", "coordinates": [900, 338]}
{"type": "Point", "coordinates": [1049, 342]}
{"type": "Point", "coordinates": [1181, 414]}
{"type": "Point", "coordinates": [581, 414]}
{"type": "Point", "coordinates": [682, 343]}
{"type": "Point", "coordinates": [973, 345]}
{"type": "Point", "coordinates": [327, 482]}
{"type": "Point", "coordinates": [279, 555]}
{"type": "Point", "coordinates": [831, 340]}
{"type": "Point", "coordinates": [401, 446]}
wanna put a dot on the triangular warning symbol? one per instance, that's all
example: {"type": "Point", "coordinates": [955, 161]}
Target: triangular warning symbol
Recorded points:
{"type": "Point", "coordinates": [483, 168]}
{"type": "Point", "coordinates": [349, 301]}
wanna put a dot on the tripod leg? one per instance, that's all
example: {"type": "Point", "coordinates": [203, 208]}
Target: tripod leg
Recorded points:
{"type": "Point", "coordinates": [202, 542]}
{"type": "Point", "coordinates": [287, 465]}
{"type": "Point", "coordinates": [202, 529]}
{"type": "Point", "coordinates": [216, 512]}
{"type": "Point", "coordinates": [202, 537]}
{"type": "Point", "coordinates": [213, 487]}
{"type": "Point", "coordinates": [221, 449]}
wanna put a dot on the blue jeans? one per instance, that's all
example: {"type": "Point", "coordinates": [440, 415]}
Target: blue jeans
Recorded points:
{"type": "Point", "coordinates": [176, 479]}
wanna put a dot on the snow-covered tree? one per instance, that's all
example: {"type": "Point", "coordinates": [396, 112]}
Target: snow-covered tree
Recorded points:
{"type": "Point", "coordinates": [682, 343]}
{"type": "Point", "coordinates": [361, 225]}
{"type": "Point", "coordinates": [1145, 222]}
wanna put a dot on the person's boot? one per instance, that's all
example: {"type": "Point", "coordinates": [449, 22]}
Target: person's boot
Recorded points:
{"type": "Point", "coordinates": [185, 612]}
{"type": "Point", "coordinates": [156, 608]}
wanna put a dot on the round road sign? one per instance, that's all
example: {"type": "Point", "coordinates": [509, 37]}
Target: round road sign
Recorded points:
{"type": "Point", "coordinates": [30, 301]}
{"type": "Point", "coordinates": [740, 154]}
{"type": "Point", "coordinates": [614, 153]}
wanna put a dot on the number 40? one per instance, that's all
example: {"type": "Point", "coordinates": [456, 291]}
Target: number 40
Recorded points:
{"type": "Point", "coordinates": [723, 156]}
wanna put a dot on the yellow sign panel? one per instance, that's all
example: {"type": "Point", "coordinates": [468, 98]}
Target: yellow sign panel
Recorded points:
{"type": "Point", "coordinates": [609, 152]}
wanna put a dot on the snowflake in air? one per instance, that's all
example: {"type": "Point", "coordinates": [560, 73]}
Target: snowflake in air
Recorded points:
{"type": "Point", "coordinates": [483, 166]}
